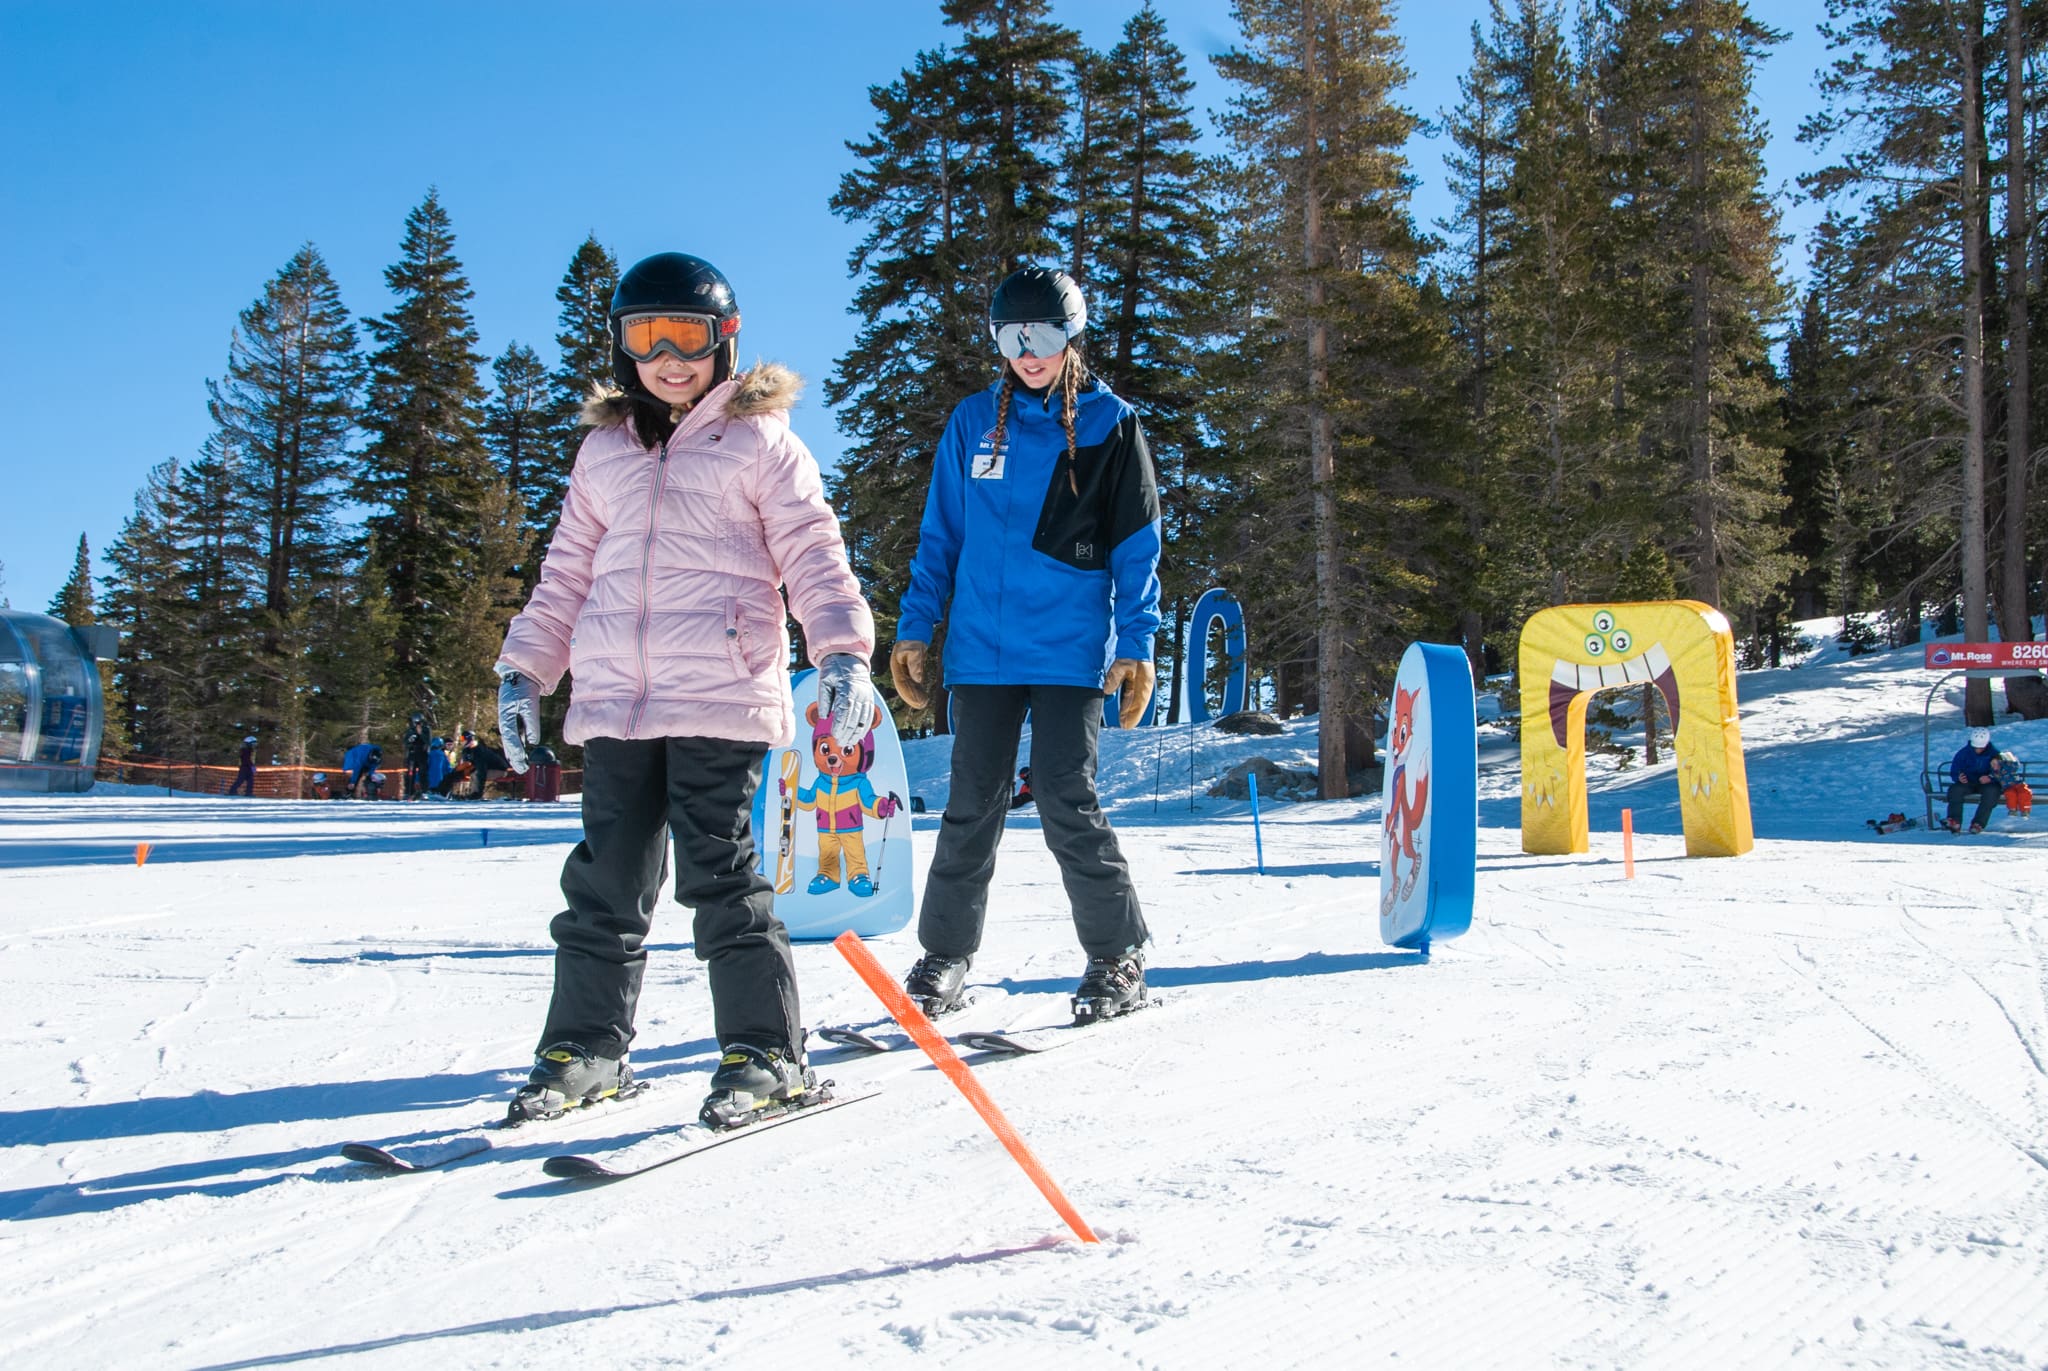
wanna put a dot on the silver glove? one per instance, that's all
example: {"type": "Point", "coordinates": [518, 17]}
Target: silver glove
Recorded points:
{"type": "Point", "coordinates": [518, 715]}
{"type": "Point", "coordinates": [846, 696]}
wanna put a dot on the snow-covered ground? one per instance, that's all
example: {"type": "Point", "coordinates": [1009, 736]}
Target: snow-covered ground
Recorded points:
{"type": "Point", "coordinates": [1785, 1109]}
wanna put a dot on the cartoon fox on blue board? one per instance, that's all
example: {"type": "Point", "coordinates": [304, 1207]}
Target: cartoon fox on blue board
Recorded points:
{"type": "Point", "coordinates": [842, 797]}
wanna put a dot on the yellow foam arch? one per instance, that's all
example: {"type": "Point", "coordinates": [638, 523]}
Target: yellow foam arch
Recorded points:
{"type": "Point", "coordinates": [1685, 649]}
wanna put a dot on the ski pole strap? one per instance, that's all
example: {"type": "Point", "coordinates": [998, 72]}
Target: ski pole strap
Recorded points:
{"type": "Point", "coordinates": [948, 1061]}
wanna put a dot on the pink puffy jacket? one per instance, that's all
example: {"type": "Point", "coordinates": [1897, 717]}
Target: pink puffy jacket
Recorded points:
{"type": "Point", "coordinates": [659, 589]}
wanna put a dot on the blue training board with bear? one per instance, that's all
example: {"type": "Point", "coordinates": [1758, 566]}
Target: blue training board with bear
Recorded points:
{"type": "Point", "coordinates": [832, 826]}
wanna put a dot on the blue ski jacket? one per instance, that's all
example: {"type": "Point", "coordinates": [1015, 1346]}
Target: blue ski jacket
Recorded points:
{"type": "Point", "coordinates": [1971, 766]}
{"type": "Point", "coordinates": [1039, 580]}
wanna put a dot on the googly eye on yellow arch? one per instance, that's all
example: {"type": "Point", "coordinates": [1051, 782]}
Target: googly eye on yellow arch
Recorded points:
{"type": "Point", "coordinates": [1686, 652]}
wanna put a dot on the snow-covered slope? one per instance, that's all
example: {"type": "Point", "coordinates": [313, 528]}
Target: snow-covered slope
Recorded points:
{"type": "Point", "coordinates": [1790, 1108]}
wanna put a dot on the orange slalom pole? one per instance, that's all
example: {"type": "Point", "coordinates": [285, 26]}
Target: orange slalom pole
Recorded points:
{"type": "Point", "coordinates": [947, 1060]}
{"type": "Point", "coordinates": [141, 853]}
{"type": "Point", "coordinates": [1628, 844]}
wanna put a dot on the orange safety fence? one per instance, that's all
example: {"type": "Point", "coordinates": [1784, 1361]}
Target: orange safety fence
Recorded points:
{"type": "Point", "coordinates": [296, 782]}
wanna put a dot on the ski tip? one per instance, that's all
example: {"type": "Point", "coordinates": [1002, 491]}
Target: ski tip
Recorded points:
{"type": "Point", "coordinates": [374, 1156]}
{"type": "Point", "coordinates": [577, 1169]}
{"type": "Point", "coordinates": [851, 1037]}
{"type": "Point", "coordinates": [999, 1043]}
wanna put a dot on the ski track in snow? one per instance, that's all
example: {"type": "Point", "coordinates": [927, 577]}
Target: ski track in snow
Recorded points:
{"type": "Point", "coordinates": [1787, 1109]}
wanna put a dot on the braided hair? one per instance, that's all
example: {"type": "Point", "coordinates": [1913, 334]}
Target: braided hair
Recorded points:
{"type": "Point", "coordinates": [1073, 375]}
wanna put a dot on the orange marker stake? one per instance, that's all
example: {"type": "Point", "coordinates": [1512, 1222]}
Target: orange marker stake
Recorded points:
{"type": "Point", "coordinates": [947, 1060]}
{"type": "Point", "coordinates": [1628, 844]}
{"type": "Point", "coordinates": [141, 853]}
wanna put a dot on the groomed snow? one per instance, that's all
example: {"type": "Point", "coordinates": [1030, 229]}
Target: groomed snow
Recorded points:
{"type": "Point", "coordinates": [1785, 1109]}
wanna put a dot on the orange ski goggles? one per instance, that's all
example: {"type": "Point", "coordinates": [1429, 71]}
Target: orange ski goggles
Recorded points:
{"type": "Point", "coordinates": [687, 336]}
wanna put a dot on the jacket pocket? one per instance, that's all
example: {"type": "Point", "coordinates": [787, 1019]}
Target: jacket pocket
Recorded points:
{"type": "Point", "coordinates": [750, 643]}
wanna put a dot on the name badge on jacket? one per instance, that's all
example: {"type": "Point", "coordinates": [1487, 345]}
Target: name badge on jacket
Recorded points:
{"type": "Point", "coordinates": [987, 462]}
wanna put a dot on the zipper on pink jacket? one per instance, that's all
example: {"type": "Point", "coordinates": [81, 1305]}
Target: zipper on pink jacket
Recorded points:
{"type": "Point", "coordinates": [646, 558]}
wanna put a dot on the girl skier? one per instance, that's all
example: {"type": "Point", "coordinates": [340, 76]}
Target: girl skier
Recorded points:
{"type": "Point", "coordinates": [1041, 528]}
{"type": "Point", "coordinates": [689, 503]}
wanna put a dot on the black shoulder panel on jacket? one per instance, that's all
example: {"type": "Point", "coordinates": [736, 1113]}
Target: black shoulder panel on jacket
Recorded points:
{"type": "Point", "coordinates": [1113, 495]}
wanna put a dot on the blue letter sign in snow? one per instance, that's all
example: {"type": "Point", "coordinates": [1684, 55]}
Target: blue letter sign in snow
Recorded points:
{"type": "Point", "coordinates": [833, 827]}
{"type": "Point", "coordinates": [1429, 853]}
{"type": "Point", "coordinates": [1214, 605]}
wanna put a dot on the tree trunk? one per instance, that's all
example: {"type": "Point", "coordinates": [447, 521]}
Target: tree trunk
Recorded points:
{"type": "Point", "coordinates": [1976, 589]}
{"type": "Point", "coordinates": [1705, 509]}
{"type": "Point", "coordinates": [1649, 723]}
{"type": "Point", "coordinates": [2015, 623]}
{"type": "Point", "coordinates": [1332, 760]}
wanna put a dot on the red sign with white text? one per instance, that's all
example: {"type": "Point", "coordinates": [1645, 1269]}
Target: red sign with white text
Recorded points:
{"type": "Point", "coordinates": [1988, 656]}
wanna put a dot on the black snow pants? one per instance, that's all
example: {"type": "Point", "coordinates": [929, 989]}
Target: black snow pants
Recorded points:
{"type": "Point", "coordinates": [636, 794]}
{"type": "Point", "coordinates": [1986, 793]}
{"type": "Point", "coordinates": [1066, 723]}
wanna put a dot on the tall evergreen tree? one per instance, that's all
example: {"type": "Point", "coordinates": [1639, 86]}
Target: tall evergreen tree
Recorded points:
{"type": "Point", "coordinates": [583, 338]}
{"type": "Point", "coordinates": [1904, 109]}
{"type": "Point", "coordinates": [1338, 354]}
{"type": "Point", "coordinates": [958, 186]}
{"type": "Point", "coordinates": [1147, 273]}
{"type": "Point", "coordinates": [466, 684]}
{"type": "Point", "coordinates": [1567, 487]}
{"type": "Point", "coordinates": [1479, 162]}
{"type": "Point", "coordinates": [2015, 616]}
{"type": "Point", "coordinates": [1703, 236]}
{"type": "Point", "coordinates": [286, 409]}
{"type": "Point", "coordinates": [141, 600]}
{"type": "Point", "coordinates": [74, 600]}
{"type": "Point", "coordinates": [423, 470]}
{"type": "Point", "coordinates": [517, 424]}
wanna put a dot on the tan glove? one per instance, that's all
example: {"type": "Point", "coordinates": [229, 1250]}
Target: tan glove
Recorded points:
{"type": "Point", "coordinates": [906, 671]}
{"type": "Point", "coordinates": [1134, 678]}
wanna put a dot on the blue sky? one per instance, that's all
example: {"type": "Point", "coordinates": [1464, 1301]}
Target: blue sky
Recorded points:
{"type": "Point", "coordinates": [162, 161]}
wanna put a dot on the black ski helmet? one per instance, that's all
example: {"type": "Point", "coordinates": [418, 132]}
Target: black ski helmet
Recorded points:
{"type": "Point", "coordinates": [679, 282]}
{"type": "Point", "coordinates": [1038, 295]}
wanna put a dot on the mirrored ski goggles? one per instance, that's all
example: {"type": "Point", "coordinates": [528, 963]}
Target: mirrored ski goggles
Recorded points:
{"type": "Point", "coordinates": [688, 336]}
{"type": "Point", "coordinates": [1039, 338]}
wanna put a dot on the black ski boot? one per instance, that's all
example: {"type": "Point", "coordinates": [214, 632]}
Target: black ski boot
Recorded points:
{"type": "Point", "coordinates": [1111, 986]}
{"type": "Point", "coordinates": [567, 1076]}
{"type": "Point", "coordinates": [754, 1083]}
{"type": "Point", "coordinates": [938, 984]}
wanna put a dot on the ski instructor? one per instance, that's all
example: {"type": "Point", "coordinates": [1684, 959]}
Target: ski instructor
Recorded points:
{"type": "Point", "coordinates": [1039, 550]}
{"type": "Point", "coordinates": [689, 504]}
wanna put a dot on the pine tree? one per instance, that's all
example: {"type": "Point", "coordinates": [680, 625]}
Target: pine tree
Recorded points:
{"type": "Point", "coordinates": [74, 602]}
{"type": "Point", "coordinates": [466, 684]}
{"type": "Point", "coordinates": [518, 429]}
{"type": "Point", "coordinates": [286, 409]}
{"type": "Point", "coordinates": [1905, 108]}
{"type": "Point", "coordinates": [1482, 155]}
{"type": "Point", "coordinates": [140, 598]}
{"type": "Point", "coordinates": [355, 623]}
{"type": "Point", "coordinates": [1147, 269]}
{"type": "Point", "coordinates": [1698, 241]}
{"type": "Point", "coordinates": [957, 184]}
{"type": "Point", "coordinates": [1338, 355]}
{"type": "Point", "coordinates": [216, 692]}
{"type": "Point", "coordinates": [424, 468]}
{"type": "Point", "coordinates": [74, 605]}
{"type": "Point", "coordinates": [585, 344]}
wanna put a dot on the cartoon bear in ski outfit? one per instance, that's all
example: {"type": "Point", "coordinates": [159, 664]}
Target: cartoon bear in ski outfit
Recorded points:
{"type": "Point", "coordinates": [843, 798]}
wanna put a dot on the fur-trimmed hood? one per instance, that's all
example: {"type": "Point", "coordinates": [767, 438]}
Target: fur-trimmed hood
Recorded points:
{"type": "Point", "coordinates": [764, 388]}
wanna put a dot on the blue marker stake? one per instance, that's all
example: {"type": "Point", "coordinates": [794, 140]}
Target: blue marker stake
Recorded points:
{"type": "Point", "coordinates": [487, 836]}
{"type": "Point", "coordinates": [1258, 840]}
